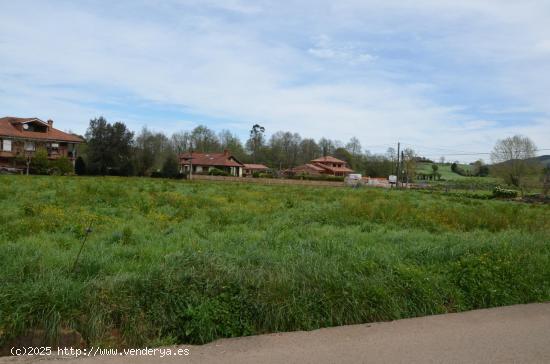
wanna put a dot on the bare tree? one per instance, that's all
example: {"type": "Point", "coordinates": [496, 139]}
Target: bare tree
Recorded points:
{"type": "Point", "coordinates": [409, 164]}
{"type": "Point", "coordinates": [511, 156]}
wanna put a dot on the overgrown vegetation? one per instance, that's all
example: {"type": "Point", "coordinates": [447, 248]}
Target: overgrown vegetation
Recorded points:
{"type": "Point", "coordinates": [177, 261]}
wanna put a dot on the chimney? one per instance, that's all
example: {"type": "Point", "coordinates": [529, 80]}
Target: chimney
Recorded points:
{"type": "Point", "coordinates": [50, 123]}
{"type": "Point", "coordinates": [226, 152]}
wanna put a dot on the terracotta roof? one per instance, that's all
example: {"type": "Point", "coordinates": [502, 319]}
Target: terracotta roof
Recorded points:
{"type": "Point", "coordinates": [328, 159]}
{"type": "Point", "coordinates": [335, 169]}
{"type": "Point", "coordinates": [308, 166]}
{"type": "Point", "coordinates": [255, 166]}
{"type": "Point", "coordinates": [210, 159]}
{"type": "Point", "coordinates": [8, 129]}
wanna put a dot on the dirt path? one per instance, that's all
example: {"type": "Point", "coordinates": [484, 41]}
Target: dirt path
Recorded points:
{"type": "Point", "coordinates": [514, 334]}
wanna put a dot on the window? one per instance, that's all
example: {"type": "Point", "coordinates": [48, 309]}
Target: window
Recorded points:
{"type": "Point", "coordinates": [55, 145]}
{"type": "Point", "coordinates": [29, 146]}
{"type": "Point", "coordinates": [6, 145]}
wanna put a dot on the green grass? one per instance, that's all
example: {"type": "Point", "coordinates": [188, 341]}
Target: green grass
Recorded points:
{"type": "Point", "coordinates": [448, 175]}
{"type": "Point", "coordinates": [179, 262]}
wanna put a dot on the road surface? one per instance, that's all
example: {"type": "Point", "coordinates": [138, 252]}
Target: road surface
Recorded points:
{"type": "Point", "coordinates": [514, 334]}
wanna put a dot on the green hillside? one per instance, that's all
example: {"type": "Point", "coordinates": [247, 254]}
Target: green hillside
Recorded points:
{"type": "Point", "coordinates": [444, 170]}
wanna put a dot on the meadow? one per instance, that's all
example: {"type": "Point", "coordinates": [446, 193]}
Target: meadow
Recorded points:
{"type": "Point", "coordinates": [188, 262]}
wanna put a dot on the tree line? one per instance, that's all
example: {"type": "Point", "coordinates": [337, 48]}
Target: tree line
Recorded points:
{"type": "Point", "coordinates": [113, 149]}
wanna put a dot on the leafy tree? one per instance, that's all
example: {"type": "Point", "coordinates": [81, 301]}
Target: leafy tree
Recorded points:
{"type": "Point", "coordinates": [62, 166]}
{"type": "Point", "coordinates": [181, 142]}
{"type": "Point", "coordinates": [150, 151]}
{"type": "Point", "coordinates": [109, 147]}
{"type": "Point", "coordinates": [204, 140]}
{"type": "Point", "coordinates": [377, 165]}
{"type": "Point", "coordinates": [344, 154]}
{"type": "Point", "coordinates": [231, 142]}
{"type": "Point", "coordinates": [39, 162]}
{"type": "Point", "coordinates": [80, 166]}
{"type": "Point", "coordinates": [256, 140]}
{"type": "Point", "coordinates": [170, 168]}
{"type": "Point", "coordinates": [327, 146]}
{"type": "Point", "coordinates": [285, 147]}
{"type": "Point", "coordinates": [511, 160]}
{"type": "Point", "coordinates": [308, 150]}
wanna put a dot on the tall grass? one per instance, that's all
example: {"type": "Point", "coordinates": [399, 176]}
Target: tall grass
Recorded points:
{"type": "Point", "coordinates": [179, 262]}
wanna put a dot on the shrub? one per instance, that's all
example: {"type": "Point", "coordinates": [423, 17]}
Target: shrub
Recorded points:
{"type": "Point", "coordinates": [500, 192]}
{"type": "Point", "coordinates": [40, 162]}
{"type": "Point", "coordinates": [217, 172]}
{"type": "Point", "coordinates": [61, 166]}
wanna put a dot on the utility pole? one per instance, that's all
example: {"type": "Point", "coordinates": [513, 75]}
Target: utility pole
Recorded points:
{"type": "Point", "coordinates": [406, 172]}
{"type": "Point", "coordinates": [191, 165]}
{"type": "Point", "coordinates": [398, 165]}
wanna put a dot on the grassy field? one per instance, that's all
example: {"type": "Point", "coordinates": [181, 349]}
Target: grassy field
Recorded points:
{"type": "Point", "coordinates": [448, 175]}
{"type": "Point", "coordinates": [187, 262]}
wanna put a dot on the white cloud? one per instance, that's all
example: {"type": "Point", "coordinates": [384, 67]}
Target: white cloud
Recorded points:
{"type": "Point", "coordinates": [379, 72]}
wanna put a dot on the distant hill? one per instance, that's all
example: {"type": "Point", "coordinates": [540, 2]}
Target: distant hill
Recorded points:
{"type": "Point", "coordinates": [543, 159]}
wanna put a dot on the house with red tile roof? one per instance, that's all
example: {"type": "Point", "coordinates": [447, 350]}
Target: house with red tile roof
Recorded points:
{"type": "Point", "coordinates": [250, 169]}
{"type": "Point", "coordinates": [326, 165]}
{"type": "Point", "coordinates": [202, 163]}
{"type": "Point", "coordinates": [21, 137]}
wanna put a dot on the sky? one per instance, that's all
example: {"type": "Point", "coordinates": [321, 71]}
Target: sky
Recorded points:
{"type": "Point", "coordinates": [443, 77]}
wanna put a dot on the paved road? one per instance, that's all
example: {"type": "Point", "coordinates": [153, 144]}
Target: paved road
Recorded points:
{"type": "Point", "coordinates": [514, 334]}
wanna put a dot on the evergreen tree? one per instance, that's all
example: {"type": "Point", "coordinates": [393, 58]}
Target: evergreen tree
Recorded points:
{"type": "Point", "coordinates": [80, 166]}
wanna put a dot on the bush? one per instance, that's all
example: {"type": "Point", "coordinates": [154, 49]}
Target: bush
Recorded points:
{"type": "Point", "coordinates": [39, 162]}
{"type": "Point", "coordinates": [256, 175]}
{"type": "Point", "coordinates": [61, 166]}
{"type": "Point", "coordinates": [217, 172]}
{"type": "Point", "coordinates": [317, 178]}
{"type": "Point", "coordinates": [500, 192]}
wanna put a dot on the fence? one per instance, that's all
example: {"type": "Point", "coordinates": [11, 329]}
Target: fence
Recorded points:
{"type": "Point", "coordinates": [269, 181]}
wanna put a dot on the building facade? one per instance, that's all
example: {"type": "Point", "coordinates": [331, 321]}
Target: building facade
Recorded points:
{"type": "Point", "coordinates": [20, 138]}
{"type": "Point", "coordinates": [326, 165]}
{"type": "Point", "coordinates": [202, 163]}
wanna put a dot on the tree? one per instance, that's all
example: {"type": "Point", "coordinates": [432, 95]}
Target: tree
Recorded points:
{"type": "Point", "coordinates": [354, 148]}
{"type": "Point", "coordinates": [181, 142]}
{"type": "Point", "coordinates": [344, 154]}
{"type": "Point", "coordinates": [308, 150]}
{"type": "Point", "coordinates": [510, 158]}
{"type": "Point", "coordinates": [62, 166]}
{"type": "Point", "coordinates": [170, 168]}
{"type": "Point", "coordinates": [109, 147]}
{"type": "Point", "coordinates": [285, 147]}
{"type": "Point", "coordinates": [231, 142]}
{"type": "Point", "coordinates": [435, 174]}
{"type": "Point", "coordinates": [39, 162]}
{"type": "Point", "coordinates": [80, 166]}
{"type": "Point", "coordinates": [327, 146]}
{"type": "Point", "coordinates": [256, 140]}
{"type": "Point", "coordinates": [204, 140]}
{"type": "Point", "coordinates": [150, 150]}
{"type": "Point", "coordinates": [409, 164]}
